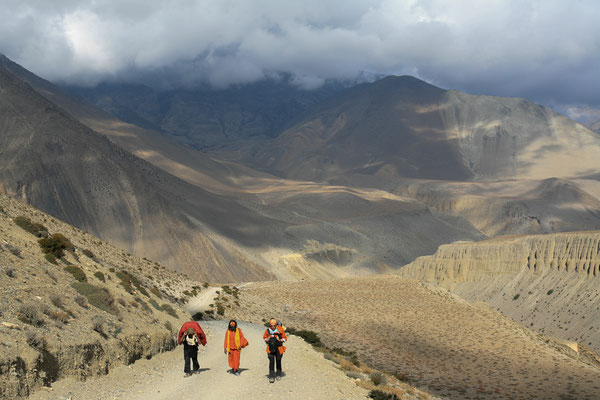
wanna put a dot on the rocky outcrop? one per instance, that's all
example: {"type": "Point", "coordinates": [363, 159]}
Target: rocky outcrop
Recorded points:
{"type": "Point", "coordinates": [574, 252]}
{"type": "Point", "coordinates": [24, 373]}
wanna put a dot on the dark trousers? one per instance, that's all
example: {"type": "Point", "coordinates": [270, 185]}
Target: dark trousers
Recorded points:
{"type": "Point", "coordinates": [190, 353]}
{"type": "Point", "coordinates": [272, 359]}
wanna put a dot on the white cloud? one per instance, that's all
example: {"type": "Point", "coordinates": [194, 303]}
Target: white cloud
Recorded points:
{"type": "Point", "coordinates": [544, 50]}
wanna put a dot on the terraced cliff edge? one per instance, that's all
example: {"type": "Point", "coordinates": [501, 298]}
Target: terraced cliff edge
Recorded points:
{"type": "Point", "coordinates": [547, 282]}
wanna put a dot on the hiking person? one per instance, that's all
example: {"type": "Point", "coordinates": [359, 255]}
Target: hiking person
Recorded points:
{"type": "Point", "coordinates": [234, 343]}
{"type": "Point", "coordinates": [274, 338]}
{"type": "Point", "coordinates": [191, 336]}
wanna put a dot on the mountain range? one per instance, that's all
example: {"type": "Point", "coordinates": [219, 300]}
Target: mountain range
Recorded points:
{"type": "Point", "coordinates": [357, 180]}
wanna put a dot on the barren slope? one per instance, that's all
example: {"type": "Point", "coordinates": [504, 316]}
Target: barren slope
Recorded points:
{"type": "Point", "coordinates": [435, 339]}
{"type": "Point", "coordinates": [548, 282]}
{"type": "Point", "coordinates": [404, 127]}
{"type": "Point", "coordinates": [512, 206]}
{"type": "Point", "coordinates": [61, 166]}
{"type": "Point", "coordinates": [55, 323]}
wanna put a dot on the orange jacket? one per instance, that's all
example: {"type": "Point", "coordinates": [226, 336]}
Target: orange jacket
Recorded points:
{"type": "Point", "coordinates": [234, 340]}
{"type": "Point", "coordinates": [282, 336]}
{"type": "Point", "coordinates": [196, 327]}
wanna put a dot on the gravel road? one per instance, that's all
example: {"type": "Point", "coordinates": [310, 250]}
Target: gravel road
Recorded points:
{"type": "Point", "coordinates": [308, 375]}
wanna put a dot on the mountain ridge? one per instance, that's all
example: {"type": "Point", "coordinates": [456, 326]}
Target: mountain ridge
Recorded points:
{"type": "Point", "coordinates": [73, 190]}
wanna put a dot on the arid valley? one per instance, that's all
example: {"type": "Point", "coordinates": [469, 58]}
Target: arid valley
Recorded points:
{"type": "Point", "coordinates": [425, 224]}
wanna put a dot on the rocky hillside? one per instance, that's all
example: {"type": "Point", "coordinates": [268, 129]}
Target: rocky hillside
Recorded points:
{"type": "Point", "coordinates": [514, 206]}
{"type": "Point", "coordinates": [404, 127]}
{"type": "Point", "coordinates": [204, 116]}
{"type": "Point", "coordinates": [73, 305]}
{"type": "Point", "coordinates": [61, 166]}
{"type": "Point", "coordinates": [548, 282]}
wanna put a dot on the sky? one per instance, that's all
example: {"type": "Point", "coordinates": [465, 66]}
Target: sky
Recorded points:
{"type": "Point", "coordinates": [546, 51]}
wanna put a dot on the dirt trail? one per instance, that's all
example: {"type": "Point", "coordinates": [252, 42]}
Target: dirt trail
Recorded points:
{"type": "Point", "coordinates": [308, 375]}
{"type": "Point", "coordinates": [201, 302]}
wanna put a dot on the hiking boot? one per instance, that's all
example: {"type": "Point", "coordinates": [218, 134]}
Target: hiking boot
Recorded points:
{"type": "Point", "coordinates": [237, 373]}
{"type": "Point", "coordinates": [278, 377]}
{"type": "Point", "coordinates": [187, 374]}
{"type": "Point", "coordinates": [271, 379]}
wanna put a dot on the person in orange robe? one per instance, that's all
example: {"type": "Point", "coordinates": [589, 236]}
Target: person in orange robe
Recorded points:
{"type": "Point", "coordinates": [234, 343]}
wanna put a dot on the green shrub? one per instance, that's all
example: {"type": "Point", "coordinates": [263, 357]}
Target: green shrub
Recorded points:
{"type": "Point", "coordinates": [168, 326]}
{"type": "Point", "coordinates": [13, 249]}
{"type": "Point", "coordinates": [56, 244]}
{"type": "Point", "coordinates": [117, 330]}
{"type": "Point", "coordinates": [56, 300]}
{"type": "Point", "coordinates": [169, 310]}
{"type": "Point", "coordinates": [205, 284]}
{"type": "Point", "coordinates": [88, 253]}
{"type": "Point", "coordinates": [29, 313]}
{"type": "Point", "coordinates": [402, 377]}
{"type": "Point", "coordinates": [516, 296]}
{"type": "Point", "coordinates": [98, 323]}
{"type": "Point", "coordinates": [129, 280]}
{"type": "Point", "coordinates": [308, 336]}
{"type": "Point", "coordinates": [34, 228]}
{"type": "Point", "coordinates": [59, 316]}
{"type": "Point", "coordinates": [144, 305]}
{"type": "Point", "coordinates": [100, 276]}
{"type": "Point", "coordinates": [77, 273]}
{"type": "Point", "coordinates": [379, 395]}
{"type": "Point", "coordinates": [98, 297]}
{"type": "Point", "coordinates": [198, 316]}
{"type": "Point", "coordinates": [220, 309]}
{"type": "Point", "coordinates": [35, 340]}
{"type": "Point", "coordinates": [378, 378]}
{"type": "Point", "coordinates": [155, 304]}
{"type": "Point", "coordinates": [125, 281]}
{"type": "Point", "coordinates": [156, 292]}
{"type": "Point", "coordinates": [82, 301]}
{"type": "Point", "coordinates": [549, 292]}
{"type": "Point", "coordinates": [50, 258]}
{"type": "Point", "coordinates": [138, 285]}
{"type": "Point", "coordinates": [348, 355]}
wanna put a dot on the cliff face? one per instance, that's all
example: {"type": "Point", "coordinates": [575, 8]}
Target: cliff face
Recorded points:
{"type": "Point", "coordinates": [547, 282]}
{"type": "Point", "coordinates": [573, 252]}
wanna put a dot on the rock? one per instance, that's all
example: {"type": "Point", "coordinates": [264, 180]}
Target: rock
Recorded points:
{"type": "Point", "coordinates": [10, 325]}
{"type": "Point", "coordinates": [574, 252]}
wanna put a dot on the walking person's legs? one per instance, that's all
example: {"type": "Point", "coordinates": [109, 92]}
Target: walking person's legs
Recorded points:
{"type": "Point", "coordinates": [194, 357]}
{"type": "Point", "coordinates": [272, 367]}
{"type": "Point", "coordinates": [278, 357]}
{"type": "Point", "coordinates": [187, 360]}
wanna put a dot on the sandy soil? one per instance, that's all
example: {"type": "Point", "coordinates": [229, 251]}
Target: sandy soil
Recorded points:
{"type": "Point", "coordinates": [202, 301]}
{"type": "Point", "coordinates": [308, 375]}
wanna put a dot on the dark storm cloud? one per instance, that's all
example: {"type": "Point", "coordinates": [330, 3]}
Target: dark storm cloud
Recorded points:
{"type": "Point", "coordinates": [547, 51]}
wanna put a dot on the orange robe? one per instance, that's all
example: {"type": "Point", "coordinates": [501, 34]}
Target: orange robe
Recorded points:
{"type": "Point", "coordinates": [282, 335]}
{"type": "Point", "coordinates": [234, 349]}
